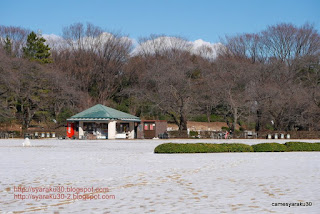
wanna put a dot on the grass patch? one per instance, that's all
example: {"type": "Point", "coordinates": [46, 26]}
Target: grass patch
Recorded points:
{"type": "Point", "coordinates": [235, 147]}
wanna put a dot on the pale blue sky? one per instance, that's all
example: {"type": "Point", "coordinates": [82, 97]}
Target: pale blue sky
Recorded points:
{"type": "Point", "coordinates": [193, 19]}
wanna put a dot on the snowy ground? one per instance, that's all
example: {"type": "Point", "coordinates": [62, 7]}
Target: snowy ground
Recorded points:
{"type": "Point", "coordinates": [144, 182]}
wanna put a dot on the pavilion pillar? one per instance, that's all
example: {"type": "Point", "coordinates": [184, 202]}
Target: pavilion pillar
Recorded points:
{"type": "Point", "coordinates": [131, 130]}
{"type": "Point", "coordinates": [112, 130]}
{"type": "Point", "coordinates": [81, 133]}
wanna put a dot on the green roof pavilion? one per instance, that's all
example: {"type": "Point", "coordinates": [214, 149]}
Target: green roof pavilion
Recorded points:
{"type": "Point", "coordinates": [100, 112]}
{"type": "Point", "coordinates": [102, 122]}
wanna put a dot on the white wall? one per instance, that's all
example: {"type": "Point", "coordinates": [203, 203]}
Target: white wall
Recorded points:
{"type": "Point", "coordinates": [81, 133]}
{"type": "Point", "coordinates": [112, 129]}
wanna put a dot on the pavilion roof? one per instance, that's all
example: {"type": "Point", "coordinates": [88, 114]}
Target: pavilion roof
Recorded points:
{"type": "Point", "coordinates": [101, 112]}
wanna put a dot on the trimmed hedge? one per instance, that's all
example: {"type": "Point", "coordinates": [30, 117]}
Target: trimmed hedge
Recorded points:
{"type": "Point", "coordinates": [269, 147]}
{"type": "Point", "coordinates": [235, 147]}
{"type": "Point", "coordinates": [301, 146]}
{"type": "Point", "coordinates": [201, 148]}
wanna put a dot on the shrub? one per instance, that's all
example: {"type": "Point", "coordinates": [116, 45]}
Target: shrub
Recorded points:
{"type": "Point", "coordinates": [269, 147]}
{"type": "Point", "coordinates": [238, 147]}
{"type": "Point", "coordinates": [302, 146]}
{"type": "Point", "coordinates": [214, 148]}
{"type": "Point", "coordinates": [235, 147]}
{"type": "Point", "coordinates": [201, 148]}
{"type": "Point", "coordinates": [223, 128]}
{"type": "Point", "coordinates": [180, 148]}
{"type": "Point", "coordinates": [193, 134]}
{"type": "Point", "coordinates": [167, 148]}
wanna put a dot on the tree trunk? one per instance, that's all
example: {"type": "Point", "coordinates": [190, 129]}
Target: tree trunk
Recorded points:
{"type": "Point", "coordinates": [208, 114]}
{"type": "Point", "coordinates": [235, 119]}
{"type": "Point", "coordinates": [258, 123]}
{"type": "Point", "coordinates": [183, 123]}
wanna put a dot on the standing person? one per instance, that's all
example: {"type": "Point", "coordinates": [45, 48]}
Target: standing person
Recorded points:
{"type": "Point", "coordinates": [226, 135]}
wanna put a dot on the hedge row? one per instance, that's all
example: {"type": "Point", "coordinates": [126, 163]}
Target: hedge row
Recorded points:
{"type": "Point", "coordinates": [269, 147]}
{"type": "Point", "coordinates": [301, 146]}
{"type": "Point", "coordinates": [235, 147]}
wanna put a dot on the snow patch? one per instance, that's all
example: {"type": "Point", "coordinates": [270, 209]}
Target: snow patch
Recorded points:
{"type": "Point", "coordinates": [144, 182]}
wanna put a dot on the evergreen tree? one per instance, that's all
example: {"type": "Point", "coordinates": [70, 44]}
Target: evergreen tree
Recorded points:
{"type": "Point", "coordinates": [36, 49]}
{"type": "Point", "coordinates": [8, 46]}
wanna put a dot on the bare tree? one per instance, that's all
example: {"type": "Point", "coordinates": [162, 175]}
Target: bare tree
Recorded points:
{"type": "Point", "coordinates": [7, 80]}
{"type": "Point", "coordinates": [283, 56]}
{"type": "Point", "coordinates": [244, 46]}
{"type": "Point", "coordinates": [234, 78]}
{"type": "Point", "coordinates": [17, 35]}
{"type": "Point", "coordinates": [287, 42]}
{"type": "Point", "coordinates": [29, 89]}
{"type": "Point", "coordinates": [166, 81]}
{"type": "Point", "coordinates": [96, 59]}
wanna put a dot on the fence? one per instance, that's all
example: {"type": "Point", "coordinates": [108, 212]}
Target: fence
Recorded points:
{"type": "Point", "coordinates": [248, 134]}
{"type": "Point", "coordinates": [6, 135]}
{"type": "Point", "coordinates": [292, 134]}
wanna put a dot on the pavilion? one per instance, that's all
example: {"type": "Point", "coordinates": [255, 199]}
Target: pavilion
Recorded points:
{"type": "Point", "coordinates": [102, 122]}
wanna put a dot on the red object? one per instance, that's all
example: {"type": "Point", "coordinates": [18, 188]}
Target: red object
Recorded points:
{"type": "Point", "coordinates": [70, 130]}
{"type": "Point", "coordinates": [226, 135]}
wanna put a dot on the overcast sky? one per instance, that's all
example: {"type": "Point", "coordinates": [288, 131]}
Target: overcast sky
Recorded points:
{"type": "Point", "coordinates": [194, 19]}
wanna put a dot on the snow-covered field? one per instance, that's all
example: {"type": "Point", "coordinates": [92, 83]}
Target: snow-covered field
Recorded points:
{"type": "Point", "coordinates": [139, 181]}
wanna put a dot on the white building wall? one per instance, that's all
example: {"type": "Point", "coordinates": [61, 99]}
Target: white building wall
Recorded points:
{"type": "Point", "coordinates": [81, 133]}
{"type": "Point", "coordinates": [112, 130]}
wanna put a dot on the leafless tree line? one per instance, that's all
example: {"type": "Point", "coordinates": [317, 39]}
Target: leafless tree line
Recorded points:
{"type": "Point", "coordinates": [266, 80]}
